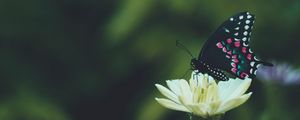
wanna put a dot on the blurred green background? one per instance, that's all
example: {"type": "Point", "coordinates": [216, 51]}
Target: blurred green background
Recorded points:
{"type": "Point", "coordinates": [100, 59]}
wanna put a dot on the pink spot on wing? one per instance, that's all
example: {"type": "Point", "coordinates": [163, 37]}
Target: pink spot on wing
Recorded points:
{"type": "Point", "coordinates": [235, 60]}
{"type": "Point", "coordinates": [243, 75]}
{"type": "Point", "coordinates": [233, 70]}
{"type": "Point", "coordinates": [244, 49]}
{"type": "Point", "coordinates": [224, 49]}
{"type": "Point", "coordinates": [228, 56]}
{"type": "Point", "coordinates": [234, 56]}
{"type": "Point", "coordinates": [233, 65]}
{"type": "Point", "coordinates": [237, 44]}
{"type": "Point", "coordinates": [229, 52]}
{"type": "Point", "coordinates": [219, 45]}
{"type": "Point", "coordinates": [249, 56]}
{"type": "Point", "coordinates": [229, 40]}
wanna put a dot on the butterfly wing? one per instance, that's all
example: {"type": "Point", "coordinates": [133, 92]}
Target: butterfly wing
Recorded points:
{"type": "Point", "coordinates": [228, 48]}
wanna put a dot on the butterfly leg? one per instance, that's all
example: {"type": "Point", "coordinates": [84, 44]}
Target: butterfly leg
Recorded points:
{"type": "Point", "coordinates": [195, 76]}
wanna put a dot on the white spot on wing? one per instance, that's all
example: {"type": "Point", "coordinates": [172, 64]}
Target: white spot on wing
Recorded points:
{"type": "Point", "coordinates": [245, 33]}
{"type": "Point", "coordinates": [246, 27]}
{"type": "Point", "coordinates": [255, 58]}
{"type": "Point", "coordinates": [231, 19]}
{"type": "Point", "coordinates": [258, 65]}
{"type": "Point", "coordinates": [252, 63]}
{"type": "Point", "coordinates": [237, 39]}
{"type": "Point", "coordinates": [250, 51]}
{"type": "Point", "coordinates": [247, 21]}
{"type": "Point", "coordinates": [241, 17]}
{"type": "Point", "coordinates": [244, 44]}
{"type": "Point", "coordinates": [237, 28]}
{"type": "Point", "coordinates": [244, 39]}
{"type": "Point", "coordinates": [249, 16]}
{"type": "Point", "coordinates": [226, 30]}
{"type": "Point", "coordinates": [236, 34]}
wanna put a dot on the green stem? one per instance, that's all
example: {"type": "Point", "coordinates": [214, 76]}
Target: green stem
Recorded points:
{"type": "Point", "coordinates": [216, 117]}
{"type": "Point", "coordinates": [274, 99]}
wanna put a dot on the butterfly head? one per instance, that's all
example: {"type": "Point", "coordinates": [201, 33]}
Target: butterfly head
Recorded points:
{"type": "Point", "coordinates": [193, 63]}
{"type": "Point", "coordinates": [196, 64]}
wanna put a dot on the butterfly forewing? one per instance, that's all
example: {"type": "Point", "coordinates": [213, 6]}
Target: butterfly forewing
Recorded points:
{"type": "Point", "coordinates": [228, 48]}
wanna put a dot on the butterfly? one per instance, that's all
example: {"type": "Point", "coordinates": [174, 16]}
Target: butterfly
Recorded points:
{"type": "Point", "coordinates": [228, 49]}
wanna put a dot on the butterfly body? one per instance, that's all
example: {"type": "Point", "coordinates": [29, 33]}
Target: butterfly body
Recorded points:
{"type": "Point", "coordinates": [228, 50]}
{"type": "Point", "coordinates": [203, 67]}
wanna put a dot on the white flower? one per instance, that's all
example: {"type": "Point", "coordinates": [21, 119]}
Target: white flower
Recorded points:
{"type": "Point", "coordinates": [202, 96]}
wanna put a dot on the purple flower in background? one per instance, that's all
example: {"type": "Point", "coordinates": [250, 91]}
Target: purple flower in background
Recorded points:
{"type": "Point", "coordinates": [283, 73]}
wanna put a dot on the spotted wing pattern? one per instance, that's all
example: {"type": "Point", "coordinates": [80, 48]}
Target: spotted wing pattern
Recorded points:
{"type": "Point", "coordinates": [228, 49]}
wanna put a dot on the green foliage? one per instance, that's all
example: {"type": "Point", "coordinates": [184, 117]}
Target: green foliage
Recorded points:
{"type": "Point", "coordinates": [100, 59]}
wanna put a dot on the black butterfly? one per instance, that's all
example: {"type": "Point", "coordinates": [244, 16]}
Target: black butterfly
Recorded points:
{"type": "Point", "coordinates": [228, 50]}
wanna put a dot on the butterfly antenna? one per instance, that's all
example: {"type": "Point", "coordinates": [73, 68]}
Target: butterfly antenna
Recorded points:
{"type": "Point", "coordinates": [180, 45]}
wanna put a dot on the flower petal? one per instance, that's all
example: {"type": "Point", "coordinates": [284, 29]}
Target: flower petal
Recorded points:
{"type": "Point", "coordinates": [199, 109]}
{"type": "Point", "coordinates": [204, 80]}
{"type": "Point", "coordinates": [210, 79]}
{"type": "Point", "coordinates": [232, 103]}
{"type": "Point", "coordinates": [166, 92]}
{"type": "Point", "coordinates": [171, 105]}
{"type": "Point", "coordinates": [197, 94]}
{"type": "Point", "coordinates": [174, 86]}
{"type": "Point", "coordinates": [225, 88]}
{"type": "Point", "coordinates": [241, 89]}
{"type": "Point", "coordinates": [185, 102]}
{"type": "Point", "coordinates": [193, 84]}
{"type": "Point", "coordinates": [233, 88]}
{"type": "Point", "coordinates": [214, 106]}
{"type": "Point", "coordinates": [212, 92]}
{"type": "Point", "coordinates": [186, 91]}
